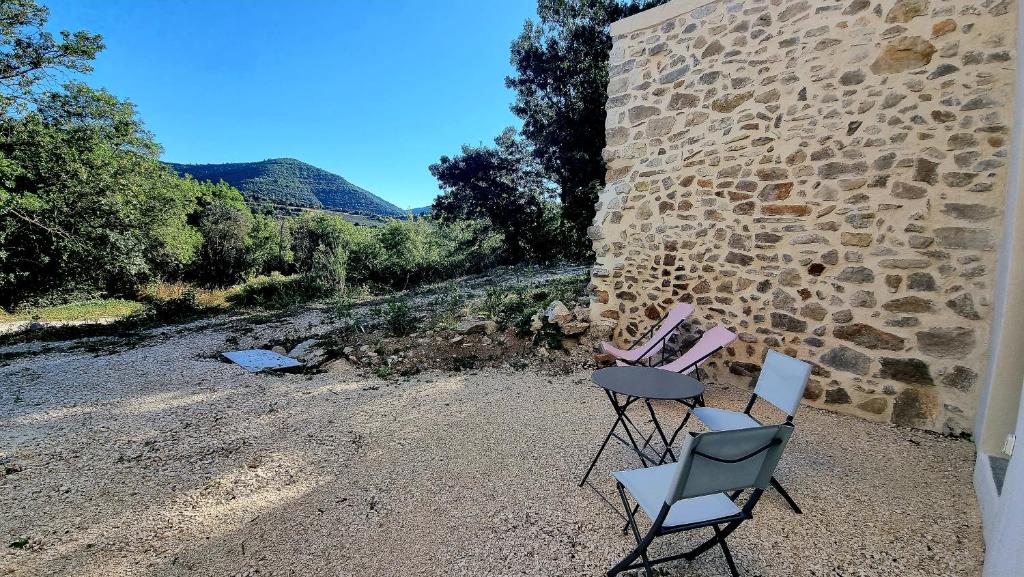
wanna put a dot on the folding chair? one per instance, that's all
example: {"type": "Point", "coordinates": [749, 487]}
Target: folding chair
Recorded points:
{"type": "Point", "coordinates": [781, 383]}
{"type": "Point", "coordinates": [693, 492]}
{"type": "Point", "coordinates": [656, 337]}
{"type": "Point", "coordinates": [713, 340]}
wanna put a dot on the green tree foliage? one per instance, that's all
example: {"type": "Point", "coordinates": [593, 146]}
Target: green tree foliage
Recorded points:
{"type": "Point", "coordinates": [31, 56]}
{"type": "Point", "coordinates": [504, 185]}
{"type": "Point", "coordinates": [83, 199]}
{"type": "Point", "coordinates": [561, 81]}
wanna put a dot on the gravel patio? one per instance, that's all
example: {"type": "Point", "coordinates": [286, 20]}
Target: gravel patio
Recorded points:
{"type": "Point", "coordinates": [162, 460]}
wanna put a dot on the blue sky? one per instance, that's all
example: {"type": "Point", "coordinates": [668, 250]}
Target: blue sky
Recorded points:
{"type": "Point", "coordinates": [372, 90]}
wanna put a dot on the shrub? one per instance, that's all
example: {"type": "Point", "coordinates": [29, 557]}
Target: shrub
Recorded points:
{"type": "Point", "coordinates": [399, 318]}
{"type": "Point", "coordinates": [273, 292]}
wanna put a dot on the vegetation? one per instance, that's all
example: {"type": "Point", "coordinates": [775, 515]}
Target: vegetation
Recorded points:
{"type": "Point", "coordinates": [88, 212]}
{"type": "Point", "coordinates": [561, 79]}
{"type": "Point", "coordinates": [290, 182]}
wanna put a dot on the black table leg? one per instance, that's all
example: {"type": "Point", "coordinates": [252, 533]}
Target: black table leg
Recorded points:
{"type": "Point", "coordinates": [621, 417]}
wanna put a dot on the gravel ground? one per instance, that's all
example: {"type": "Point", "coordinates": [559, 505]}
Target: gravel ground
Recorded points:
{"type": "Point", "coordinates": [162, 460]}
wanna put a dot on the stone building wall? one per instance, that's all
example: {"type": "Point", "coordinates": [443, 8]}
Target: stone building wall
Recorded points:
{"type": "Point", "coordinates": [825, 178]}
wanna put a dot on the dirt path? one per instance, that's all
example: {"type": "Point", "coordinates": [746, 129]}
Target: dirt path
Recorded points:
{"type": "Point", "coordinates": [162, 460]}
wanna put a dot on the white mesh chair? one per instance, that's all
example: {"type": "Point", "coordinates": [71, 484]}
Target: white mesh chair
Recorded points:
{"type": "Point", "coordinates": [694, 492]}
{"type": "Point", "coordinates": [781, 383]}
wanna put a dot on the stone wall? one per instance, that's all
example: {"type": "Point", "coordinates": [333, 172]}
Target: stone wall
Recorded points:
{"type": "Point", "coordinates": [824, 178]}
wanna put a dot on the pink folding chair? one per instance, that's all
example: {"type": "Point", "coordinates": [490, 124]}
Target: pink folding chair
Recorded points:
{"type": "Point", "coordinates": [713, 340]}
{"type": "Point", "coordinates": [659, 334]}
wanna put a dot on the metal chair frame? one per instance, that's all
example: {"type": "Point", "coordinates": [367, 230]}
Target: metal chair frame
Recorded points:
{"type": "Point", "coordinates": [722, 526]}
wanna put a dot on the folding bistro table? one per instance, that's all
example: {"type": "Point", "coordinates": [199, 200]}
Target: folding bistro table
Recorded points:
{"type": "Point", "coordinates": [627, 385]}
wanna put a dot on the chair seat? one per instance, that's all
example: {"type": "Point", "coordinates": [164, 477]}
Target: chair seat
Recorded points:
{"type": "Point", "coordinates": [650, 486]}
{"type": "Point", "coordinates": [631, 356]}
{"type": "Point", "coordinates": [723, 420]}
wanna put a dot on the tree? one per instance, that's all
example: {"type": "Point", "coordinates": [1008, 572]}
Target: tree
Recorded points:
{"type": "Point", "coordinates": [83, 198]}
{"type": "Point", "coordinates": [30, 56]}
{"type": "Point", "coordinates": [503, 184]}
{"type": "Point", "coordinates": [561, 82]}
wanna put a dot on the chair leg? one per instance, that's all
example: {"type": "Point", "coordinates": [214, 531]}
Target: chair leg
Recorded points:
{"type": "Point", "coordinates": [693, 554]}
{"type": "Point", "coordinates": [593, 463]}
{"type": "Point", "coordinates": [725, 550]}
{"type": "Point", "coordinates": [785, 495]}
{"type": "Point", "coordinates": [641, 543]}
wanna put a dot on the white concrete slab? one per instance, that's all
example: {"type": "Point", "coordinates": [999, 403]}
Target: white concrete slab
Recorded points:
{"type": "Point", "coordinates": [256, 360]}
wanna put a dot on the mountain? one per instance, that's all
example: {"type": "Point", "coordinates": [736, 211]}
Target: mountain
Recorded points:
{"type": "Point", "coordinates": [421, 210]}
{"type": "Point", "coordinates": [294, 183]}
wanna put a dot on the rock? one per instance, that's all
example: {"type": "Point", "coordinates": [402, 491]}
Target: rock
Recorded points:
{"type": "Point", "coordinates": [960, 378]}
{"type": "Point", "coordinates": [913, 408]}
{"type": "Point", "coordinates": [713, 49]}
{"type": "Point", "coordinates": [844, 358]}
{"type": "Point", "coordinates": [855, 239]}
{"type": "Point", "coordinates": [906, 10]}
{"type": "Point", "coordinates": [874, 405]}
{"type": "Point", "coordinates": [856, 274]}
{"type": "Point", "coordinates": [926, 171]}
{"type": "Point", "coordinates": [909, 304]}
{"type": "Point", "coordinates": [642, 112]}
{"type": "Point", "coordinates": [581, 314]}
{"type": "Point", "coordinates": [908, 191]}
{"type": "Point", "coordinates": [573, 327]}
{"type": "Point", "coordinates": [814, 311]}
{"type": "Point", "coordinates": [906, 53]}
{"type": "Point", "coordinates": [921, 281]}
{"type": "Point", "coordinates": [731, 102]}
{"type": "Point", "coordinates": [604, 359]}
{"type": "Point", "coordinates": [863, 299]}
{"type": "Point", "coordinates": [738, 258]}
{"type": "Point", "coordinates": [673, 75]}
{"type": "Point", "coordinates": [602, 329]}
{"type": "Point", "coordinates": [947, 342]}
{"type": "Point", "coordinates": [837, 396]}
{"type": "Point", "coordinates": [943, 69]}
{"type": "Point", "coordinates": [961, 237]}
{"type": "Point", "coordinates": [831, 170]}
{"type": "Point", "coordinates": [337, 366]}
{"type": "Point", "coordinates": [911, 371]}
{"type": "Point", "coordinates": [943, 27]}
{"type": "Point", "coordinates": [279, 350]}
{"type": "Point", "coordinates": [557, 313]}
{"type": "Point", "coordinates": [794, 9]}
{"type": "Point", "coordinates": [852, 78]}
{"type": "Point", "coordinates": [980, 102]}
{"type": "Point", "coordinates": [963, 305]}
{"type": "Point", "coordinates": [843, 316]}
{"type": "Point", "coordinates": [782, 321]}
{"type": "Point", "coordinates": [856, 6]}
{"type": "Point", "coordinates": [300, 350]}
{"type": "Point", "coordinates": [974, 212]}
{"type": "Point", "coordinates": [681, 100]}
{"type": "Point", "coordinates": [476, 326]}
{"type": "Point", "coordinates": [869, 337]}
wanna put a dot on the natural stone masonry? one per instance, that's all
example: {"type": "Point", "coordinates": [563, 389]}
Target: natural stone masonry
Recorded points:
{"type": "Point", "coordinates": [824, 178]}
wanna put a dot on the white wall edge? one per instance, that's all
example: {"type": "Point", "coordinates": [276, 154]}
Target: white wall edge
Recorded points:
{"type": "Point", "coordinates": [656, 15]}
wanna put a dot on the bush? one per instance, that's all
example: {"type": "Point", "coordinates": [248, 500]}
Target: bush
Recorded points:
{"type": "Point", "coordinates": [399, 318]}
{"type": "Point", "coordinates": [273, 292]}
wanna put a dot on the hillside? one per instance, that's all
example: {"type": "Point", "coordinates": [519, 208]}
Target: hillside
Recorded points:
{"type": "Point", "coordinates": [286, 181]}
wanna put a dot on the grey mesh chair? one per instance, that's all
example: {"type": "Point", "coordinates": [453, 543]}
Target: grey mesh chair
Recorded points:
{"type": "Point", "coordinates": [781, 383]}
{"type": "Point", "coordinates": [700, 490]}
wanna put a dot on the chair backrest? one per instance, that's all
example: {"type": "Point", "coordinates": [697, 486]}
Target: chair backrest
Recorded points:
{"type": "Point", "coordinates": [676, 315]}
{"type": "Point", "coordinates": [726, 461]}
{"type": "Point", "coordinates": [782, 381]}
{"type": "Point", "coordinates": [713, 339]}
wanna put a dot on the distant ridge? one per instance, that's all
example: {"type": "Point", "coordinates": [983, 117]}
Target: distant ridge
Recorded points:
{"type": "Point", "coordinates": [291, 182]}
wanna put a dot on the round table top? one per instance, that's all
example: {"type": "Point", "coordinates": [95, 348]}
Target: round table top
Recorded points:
{"type": "Point", "coordinates": [648, 383]}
